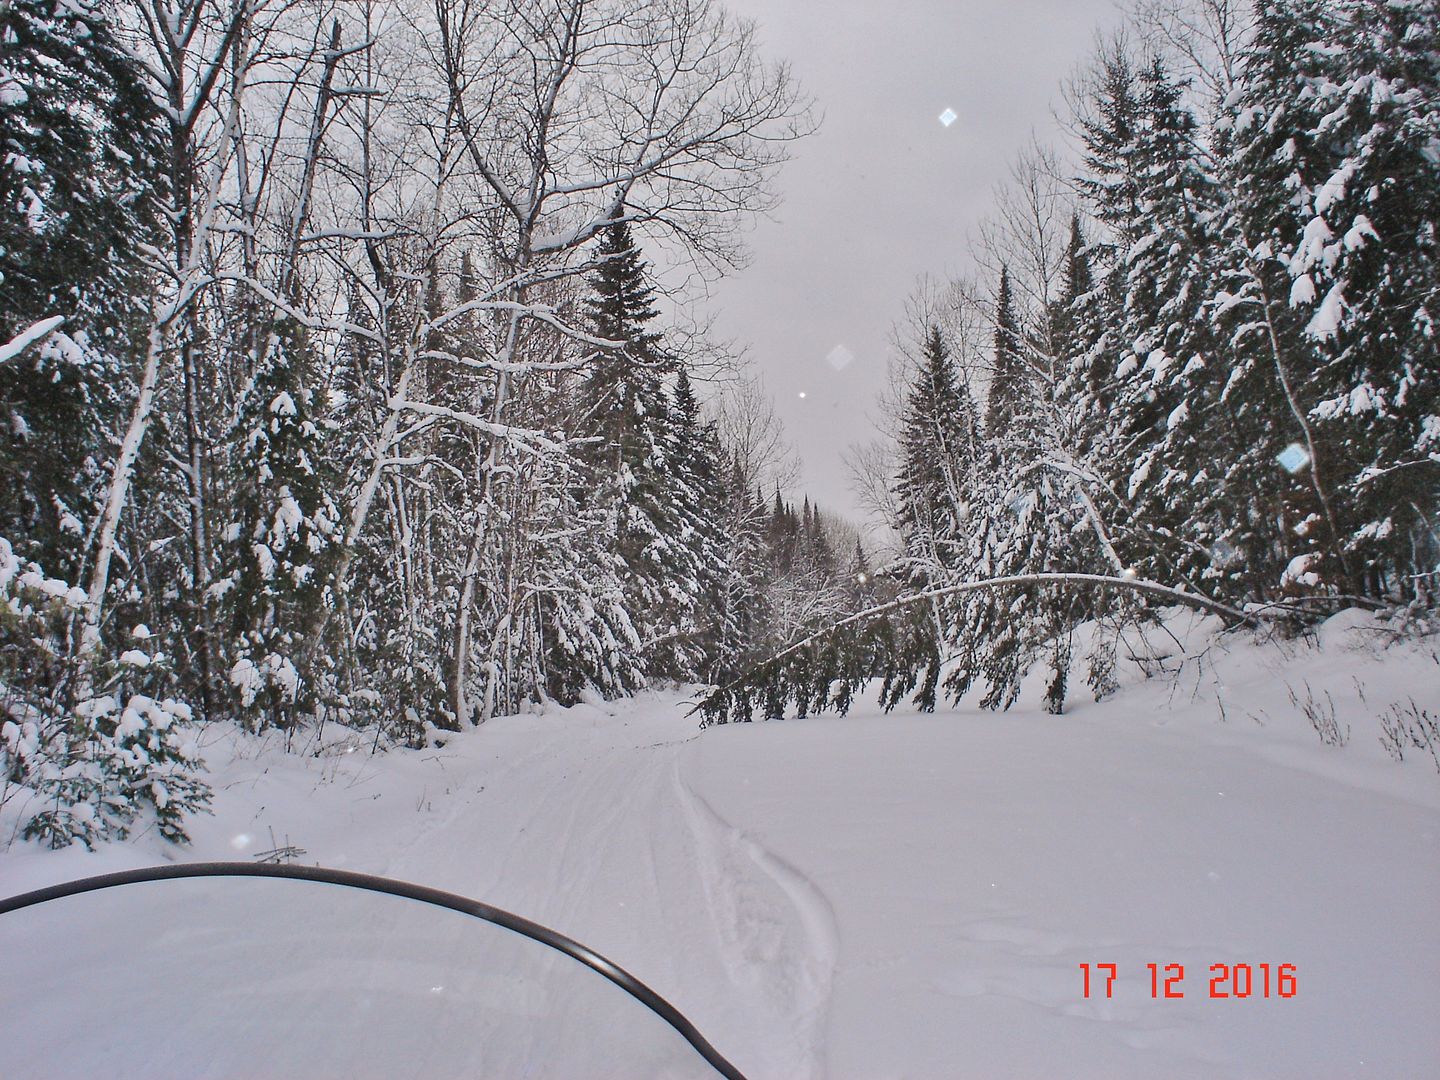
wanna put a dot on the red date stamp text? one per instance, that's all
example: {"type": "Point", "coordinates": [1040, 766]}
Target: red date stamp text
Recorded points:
{"type": "Point", "coordinates": [1167, 981]}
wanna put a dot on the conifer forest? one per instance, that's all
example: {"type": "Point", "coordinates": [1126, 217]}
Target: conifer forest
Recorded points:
{"type": "Point", "coordinates": [345, 376]}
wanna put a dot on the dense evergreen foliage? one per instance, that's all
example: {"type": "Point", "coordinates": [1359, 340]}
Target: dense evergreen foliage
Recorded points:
{"type": "Point", "coordinates": [78, 144]}
{"type": "Point", "coordinates": [1226, 386]}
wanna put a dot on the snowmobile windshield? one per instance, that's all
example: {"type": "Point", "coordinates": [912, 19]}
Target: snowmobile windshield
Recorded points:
{"type": "Point", "coordinates": [302, 972]}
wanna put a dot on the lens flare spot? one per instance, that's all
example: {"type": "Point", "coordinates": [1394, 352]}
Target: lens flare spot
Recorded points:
{"type": "Point", "coordinates": [1293, 458]}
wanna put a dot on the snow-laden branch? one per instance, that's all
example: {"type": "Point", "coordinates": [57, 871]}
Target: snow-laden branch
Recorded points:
{"type": "Point", "coordinates": [1092, 513]}
{"type": "Point", "coordinates": [1371, 474]}
{"type": "Point", "coordinates": [531, 442]}
{"type": "Point", "coordinates": [23, 340]}
{"type": "Point", "coordinates": [309, 322]}
{"type": "Point", "coordinates": [541, 312]}
{"type": "Point", "coordinates": [579, 363]}
{"type": "Point", "coordinates": [347, 234]}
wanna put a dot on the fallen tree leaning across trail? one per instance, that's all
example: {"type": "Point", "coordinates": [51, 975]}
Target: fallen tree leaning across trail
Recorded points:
{"type": "Point", "coordinates": [1251, 615]}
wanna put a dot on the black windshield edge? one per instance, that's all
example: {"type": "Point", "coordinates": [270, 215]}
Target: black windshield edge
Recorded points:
{"type": "Point", "coordinates": [426, 895]}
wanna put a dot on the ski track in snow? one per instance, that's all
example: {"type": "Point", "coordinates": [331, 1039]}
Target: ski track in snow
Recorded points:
{"type": "Point", "coordinates": [615, 848]}
{"type": "Point", "coordinates": [754, 929]}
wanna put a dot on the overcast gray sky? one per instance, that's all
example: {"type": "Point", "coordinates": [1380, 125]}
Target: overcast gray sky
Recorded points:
{"type": "Point", "coordinates": [885, 192]}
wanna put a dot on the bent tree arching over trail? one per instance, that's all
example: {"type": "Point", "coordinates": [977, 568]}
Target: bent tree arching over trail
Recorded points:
{"type": "Point", "coordinates": [823, 669]}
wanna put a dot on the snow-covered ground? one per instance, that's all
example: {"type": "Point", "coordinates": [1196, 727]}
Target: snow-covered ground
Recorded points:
{"type": "Point", "coordinates": [869, 896]}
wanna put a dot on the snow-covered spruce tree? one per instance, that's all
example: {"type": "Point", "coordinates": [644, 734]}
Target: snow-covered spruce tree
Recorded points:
{"type": "Point", "coordinates": [1078, 319]}
{"type": "Point", "coordinates": [696, 464]}
{"type": "Point", "coordinates": [817, 541]}
{"type": "Point", "coordinates": [940, 451]}
{"type": "Point", "coordinates": [795, 590]}
{"type": "Point", "coordinates": [782, 533]}
{"type": "Point", "coordinates": [1176, 438]}
{"type": "Point", "coordinates": [802, 589]}
{"type": "Point", "coordinates": [1089, 315]}
{"type": "Point", "coordinates": [1277, 375]}
{"type": "Point", "coordinates": [90, 762]}
{"type": "Point", "coordinates": [1027, 517]}
{"type": "Point", "coordinates": [588, 640]}
{"type": "Point", "coordinates": [1109, 125]}
{"type": "Point", "coordinates": [744, 602]}
{"type": "Point", "coordinates": [629, 432]}
{"type": "Point", "coordinates": [1109, 182]}
{"type": "Point", "coordinates": [860, 577]}
{"type": "Point", "coordinates": [281, 540]}
{"type": "Point", "coordinates": [1011, 379]}
{"type": "Point", "coordinates": [78, 139]}
{"type": "Point", "coordinates": [97, 742]}
{"type": "Point", "coordinates": [1086, 448]}
{"type": "Point", "coordinates": [1182, 450]}
{"type": "Point", "coordinates": [1358, 241]}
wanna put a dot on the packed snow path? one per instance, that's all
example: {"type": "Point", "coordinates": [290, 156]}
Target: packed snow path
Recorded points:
{"type": "Point", "coordinates": [584, 823]}
{"type": "Point", "coordinates": [914, 896]}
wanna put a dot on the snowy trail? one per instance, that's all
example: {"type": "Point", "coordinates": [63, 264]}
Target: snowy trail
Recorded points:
{"type": "Point", "coordinates": [579, 820]}
{"type": "Point", "coordinates": [592, 829]}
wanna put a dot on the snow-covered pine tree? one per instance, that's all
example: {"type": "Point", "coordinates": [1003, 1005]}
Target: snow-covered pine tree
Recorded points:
{"type": "Point", "coordinates": [1275, 378]}
{"type": "Point", "coordinates": [282, 538]}
{"type": "Point", "coordinates": [940, 453]}
{"type": "Point", "coordinates": [629, 430]}
{"type": "Point", "coordinates": [695, 461]}
{"type": "Point", "coordinates": [1363, 256]}
{"type": "Point", "coordinates": [1011, 386]}
{"type": "Point", "coordinates": [78, 181]}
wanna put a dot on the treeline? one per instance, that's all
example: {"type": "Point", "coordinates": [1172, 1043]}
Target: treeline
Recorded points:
{"type": "Point", "coordinates": [333, 382]}
{"type": "Point", "coordinates": [1207, 359]}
